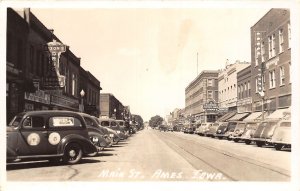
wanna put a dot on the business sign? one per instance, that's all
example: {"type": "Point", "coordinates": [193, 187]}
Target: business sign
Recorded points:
{"type": "Point", "coordinates": [211, 107]}
{"type": "Point", "coordinates": [54, 79]}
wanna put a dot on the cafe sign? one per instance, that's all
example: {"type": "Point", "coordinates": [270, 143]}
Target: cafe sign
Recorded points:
{"type": "Point", "coordinates": [53, 78]}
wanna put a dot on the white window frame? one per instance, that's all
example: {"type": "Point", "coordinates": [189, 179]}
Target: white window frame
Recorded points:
{"type": "Point", "coordinates": [212, 94]}
{"type": "Point", "coordinates": [281, 40]}
{"type": "Point", "coordinates": [282, 76]}
{"type": "Point", "coordinates": [273, 45]}
{"type": "Point", "coordinates": [272, 82]}
{"type": "Point", "coordinates": [210, 82]}
{"type": "Point", "coordinates": [270, 46]}
{"type": "Point", "coordinates": [73, 84]}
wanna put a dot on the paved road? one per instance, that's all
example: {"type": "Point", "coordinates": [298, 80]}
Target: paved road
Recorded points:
{"type": "Point", "coordinates": [151, 155]}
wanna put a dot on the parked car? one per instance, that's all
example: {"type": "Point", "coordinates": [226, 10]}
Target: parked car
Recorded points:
{"type": "Point", "coordinates": [163, 128]}
{"type": "Point", "coordinates": [282, 135]}
{"type": "Point", "coordinates": [238, 131]}
{"type": "Point", "coordinates": [225, 130]}
{"type": "Point", "coordinates": [50, 135]}
{"type": "Point", "coordinates": [107, 134]}
{"type": "Point", "coordinates": [212, 129]}
{"type": "Point", "coordinates": [123, 127]}
{"type": "Point", "coordinates": [106, 123]}
{"type": "Point", "coordinates": [264, 132]}
{"type": "Point", "coordinates": [247, 135]}
{"type": "Point", "coordinates": [203, 128]}
{"type": "Point", "coordinates": [96, 134]}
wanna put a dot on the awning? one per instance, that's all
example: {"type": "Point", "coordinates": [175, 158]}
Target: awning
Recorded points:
{"type": "Point", "coordinates": [279, 114]}
{"type": "Point", "coordinates": [238, 117]}
{"type": "Point", "coordinates": [227, 116]}
{"type": "Point", "coordinates": [253, 116]}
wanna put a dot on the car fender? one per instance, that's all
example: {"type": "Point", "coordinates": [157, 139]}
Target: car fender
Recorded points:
{"type": "Point", "coordinates": [86, 144]}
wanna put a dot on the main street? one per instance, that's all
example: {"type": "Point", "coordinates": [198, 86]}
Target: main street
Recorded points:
{"type": "Point", "coordinates": [151, 155]}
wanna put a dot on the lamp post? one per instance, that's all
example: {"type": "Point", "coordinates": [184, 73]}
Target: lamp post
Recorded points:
{"type": "Point", "coordinates": [81, 108]}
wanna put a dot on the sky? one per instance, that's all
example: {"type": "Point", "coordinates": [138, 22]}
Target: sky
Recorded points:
{"type": "Point", "coordinates": [146, 57]}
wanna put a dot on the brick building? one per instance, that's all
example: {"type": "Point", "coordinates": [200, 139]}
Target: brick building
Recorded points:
{"type": "Point", "coordinates": [271, 58]}
{"type": "Point", "coordinates": [28, 65]}
{"type": "Point", "coordinates": [202, 90]}
{"type": "Point", "coordinates": [111, 107]}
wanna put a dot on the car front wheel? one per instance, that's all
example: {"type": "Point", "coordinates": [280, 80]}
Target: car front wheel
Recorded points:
{"type": "Point", "coordinates": [72, 154]}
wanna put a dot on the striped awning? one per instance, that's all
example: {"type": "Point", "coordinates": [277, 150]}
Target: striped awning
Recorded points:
{"type": "Point", "coordinates": [279, 114]}
{"type": "Point", "coordinates": [238, 117]}
{"type": "Point", "coordinates": [227, 116]}
{"type": "Point", "coordinates": [253, 116]}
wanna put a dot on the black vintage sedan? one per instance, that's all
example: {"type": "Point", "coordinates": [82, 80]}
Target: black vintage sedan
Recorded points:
{"type": "Point", "coordinates": [49, 135]}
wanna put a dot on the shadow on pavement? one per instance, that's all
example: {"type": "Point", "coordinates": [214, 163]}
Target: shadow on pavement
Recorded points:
{"type": "Point", "coordinates": [42, 164]}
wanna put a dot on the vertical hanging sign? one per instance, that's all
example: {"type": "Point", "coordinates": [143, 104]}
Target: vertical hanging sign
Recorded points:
{"type": "Point", "coordinates": [53, 78]}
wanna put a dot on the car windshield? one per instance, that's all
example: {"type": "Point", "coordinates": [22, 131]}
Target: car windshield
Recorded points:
{"type": "Point", "coordinates": [15, 121]}
{"type": "Point", "coordinates": [223, 126]}
{"type": "Point", "coordinates": [121, 123]}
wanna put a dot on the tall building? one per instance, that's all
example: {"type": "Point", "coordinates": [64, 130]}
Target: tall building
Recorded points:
{"type": "Point", "coordinates": [271, 61]}
{"type": "Point", "coordinates": [227, 83]}
{"type": "Point", "coordinates": [202, 90]}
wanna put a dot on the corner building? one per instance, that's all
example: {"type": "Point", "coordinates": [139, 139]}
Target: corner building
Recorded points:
{"type": "Point", "coordinates": [202, 90]}
{"type": "Point", "coordinates": [271, 54]}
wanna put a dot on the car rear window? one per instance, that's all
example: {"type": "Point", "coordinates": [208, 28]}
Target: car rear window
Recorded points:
{"type": "Point", "coordinates": [64, 122]}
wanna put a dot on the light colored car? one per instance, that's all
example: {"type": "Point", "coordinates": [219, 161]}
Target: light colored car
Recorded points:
{"type": "Point", "coordinates": [203, 128]}
{"type": "Point", "coordinates": [282, 135]}
{"type": "Point", "coordinates": [264, 132]}
{"type": "Point", "coordinates": [248, 132]}
{"type": "Point", "coordinates": [212, 129]}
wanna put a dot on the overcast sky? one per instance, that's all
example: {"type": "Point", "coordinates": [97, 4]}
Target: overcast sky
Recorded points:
{"type": "Point", "coordinates": [146, 57]}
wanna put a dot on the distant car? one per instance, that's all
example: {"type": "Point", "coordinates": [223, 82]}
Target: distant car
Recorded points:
{"type": "Point", "coordinates": [163, 128]}
{"type": "Point", "coordinates": [170, 128]}
{"type": "Point", "coordinates": [282, 135]}
{"type": "Point", "coordinates": [49, 135]}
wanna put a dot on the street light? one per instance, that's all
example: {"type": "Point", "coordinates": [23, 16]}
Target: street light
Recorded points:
{"type": "Point", "coordinates": [81, 107]}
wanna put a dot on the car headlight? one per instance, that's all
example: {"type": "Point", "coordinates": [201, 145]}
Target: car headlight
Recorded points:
{"type": "Point", "coordinates": [219, 131]}
{"type": "Point", "coordinates": [95, 139]}
{"type": "Point", "coordinates": [111, 135]}
{"type": "Point", "coordinates": [118, 131]}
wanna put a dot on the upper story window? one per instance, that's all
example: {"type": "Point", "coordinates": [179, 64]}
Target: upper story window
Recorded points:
{"type": "Point", "coordinates": [280, 40]}
{"type": "Point", "coordinates": [209, 94]}
{"type": "Point", "coordinates": [249, 89]}
{"type": "Point", "coordinates": [282, 76]}
{"type": "Point", "coordinates": [272, 79]}
{"type": "Point", "coordinates": [209, 82]}
{"type": "Point", "coordinates": [271, 41]}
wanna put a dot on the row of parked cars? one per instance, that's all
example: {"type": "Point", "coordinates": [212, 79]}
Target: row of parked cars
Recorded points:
{"type": "Point", "coordinates": [271, 132]}
{"type": "Point", "coordinates": [64, 136]}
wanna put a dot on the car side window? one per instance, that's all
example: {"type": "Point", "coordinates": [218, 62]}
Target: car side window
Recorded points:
{"type": "Point", "coordinates": [113, 124]}
{"type": "Point", "coordinates": [58, 121]}
{"type": "Point", "coordinates": [90, 122]}
{"type": "Point", "coordinates": [105, 123]}
{"type": "Point", "coordinates": [34, 122]}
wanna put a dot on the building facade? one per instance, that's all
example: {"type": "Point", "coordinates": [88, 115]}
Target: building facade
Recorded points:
{"type": "Point", "coordinates": [271, 61]}
{"type": "Point", "coordinates": [31, 83]}
{"type": "Point", "coordinates": [227, 83]}
{"type": "Point", "coordinates": [244, 96]}
{"type": "Point", "coordinates": [111, 107]}
{"type": "Point", "coordinates": [202, 90]}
